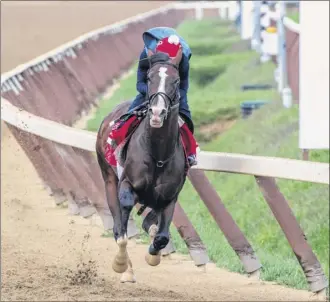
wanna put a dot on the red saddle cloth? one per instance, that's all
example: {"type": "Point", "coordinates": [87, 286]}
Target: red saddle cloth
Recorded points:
{"type": "Point", "coordinates": [122, 129]}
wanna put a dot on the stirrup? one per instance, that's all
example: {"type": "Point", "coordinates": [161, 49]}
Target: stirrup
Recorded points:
{"type": "Point", "coordinates": [192, 160]}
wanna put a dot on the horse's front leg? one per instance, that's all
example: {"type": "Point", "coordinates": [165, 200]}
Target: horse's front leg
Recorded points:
{"type": "Point", "coordinates": [122, 263]}
{"type": "Point", "coordinates": [162, 236]}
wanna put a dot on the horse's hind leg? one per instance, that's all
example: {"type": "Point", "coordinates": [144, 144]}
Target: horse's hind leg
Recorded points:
{"type": "Point", "coordinates": [110, 184]}
{"type": "Point", "coordinates": [162, 236]}
{"type": "Point", "coordinates": [122, 263]}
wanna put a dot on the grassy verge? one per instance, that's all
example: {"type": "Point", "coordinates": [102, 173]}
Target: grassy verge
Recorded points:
{"type": "Point", "coordinates": [294, 15]}
{"type": "Point", "coordinates": [271, 131]}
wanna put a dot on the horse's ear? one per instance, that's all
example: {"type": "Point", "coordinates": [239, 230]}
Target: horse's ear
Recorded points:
{"type": "Point", "coordinates": [178, 57]}
{"type": "Point", "coordinates": [149, 53]}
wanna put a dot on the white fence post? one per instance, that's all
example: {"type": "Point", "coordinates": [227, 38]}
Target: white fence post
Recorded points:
{"type": "Point", "coordinates": [256, 38]}
{"type": "Point", "coordinates": [199, 11]}
{"type": "Point", "coordinates": [233, 10]}
{"type": "Point", "coordinates": [247, 20]}
{"type": "Point", "coordinates": [281, 47]}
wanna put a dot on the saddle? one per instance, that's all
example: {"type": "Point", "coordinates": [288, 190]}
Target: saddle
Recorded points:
{"type": "Point", "coordinates": [123, 128]}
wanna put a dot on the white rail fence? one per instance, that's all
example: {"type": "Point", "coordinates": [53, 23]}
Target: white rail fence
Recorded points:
{"type": "Point", "coordinates": [209, 161]}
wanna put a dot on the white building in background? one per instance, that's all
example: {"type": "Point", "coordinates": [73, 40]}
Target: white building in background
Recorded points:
{"type": "Point", "coordinates": [314, 75]}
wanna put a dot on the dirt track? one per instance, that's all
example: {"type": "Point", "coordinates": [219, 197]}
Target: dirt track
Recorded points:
{"type": "Point", "coordinates": [41, 243]}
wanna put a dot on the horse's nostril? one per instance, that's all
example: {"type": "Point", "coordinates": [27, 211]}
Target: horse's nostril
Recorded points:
{"type": "Point", "coordinates": [163, 112]}
{"type": "Point", "coordinates": [156, 111]}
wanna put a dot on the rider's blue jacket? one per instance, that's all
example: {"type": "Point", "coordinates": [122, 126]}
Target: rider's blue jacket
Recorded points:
{"type": "Point", "coordinates": [150, 38]}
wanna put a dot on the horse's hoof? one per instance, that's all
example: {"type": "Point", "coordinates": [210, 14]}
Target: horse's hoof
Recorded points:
{"type": "Point", "coordinates": [128, 276]}
{"type": "Point", "coordinates": [153, 260]}
{"type": "Point", "coordinates": [120, 263]}
{"type": "Point", "coordinates": [119, 266]}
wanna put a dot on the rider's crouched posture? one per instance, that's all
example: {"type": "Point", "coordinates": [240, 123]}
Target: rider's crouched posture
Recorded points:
{"type": "Point", "coordinates": [166, 39]}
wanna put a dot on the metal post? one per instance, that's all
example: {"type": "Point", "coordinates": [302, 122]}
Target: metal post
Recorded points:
{"type": "Point", "coordinates": [256, 41]}
{"type": "Point", "coordinates": [281, 47]}
{"type": "Point", "coordinates": [305, 154]}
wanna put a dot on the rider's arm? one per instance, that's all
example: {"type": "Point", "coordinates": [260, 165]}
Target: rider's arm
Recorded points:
{"type": "Point", "coordinates": [141, 84]}
{"type": "Point", "coordinates": [184, 76]}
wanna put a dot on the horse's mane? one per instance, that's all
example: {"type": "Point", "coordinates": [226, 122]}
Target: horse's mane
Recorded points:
{"type": "Point", "coordinates": [158, 57]}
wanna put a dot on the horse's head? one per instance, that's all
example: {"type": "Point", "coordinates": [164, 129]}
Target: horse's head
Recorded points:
{"type": "Point", "coordinates": [163, 85]}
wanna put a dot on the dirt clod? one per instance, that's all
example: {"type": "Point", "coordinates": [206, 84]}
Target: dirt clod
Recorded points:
{"type": "Point", "coordinates": [85, 273]}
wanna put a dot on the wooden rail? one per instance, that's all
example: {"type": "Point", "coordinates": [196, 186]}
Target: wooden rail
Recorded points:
{"type": "Point", "coordinates": [210, 161]}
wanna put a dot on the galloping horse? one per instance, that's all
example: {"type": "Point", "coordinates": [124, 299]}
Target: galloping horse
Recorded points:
{"type": "Point", "coordinates": [153, 162]}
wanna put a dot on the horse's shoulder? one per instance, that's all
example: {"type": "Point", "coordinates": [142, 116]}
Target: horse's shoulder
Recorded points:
{"type": "Point", "coordinates": [137, 172]}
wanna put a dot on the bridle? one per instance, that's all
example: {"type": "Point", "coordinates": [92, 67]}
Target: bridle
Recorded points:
{"type": "Point", "coordinates": [169, 108]}
{"type": "Point", "coordinates": [164, 95]}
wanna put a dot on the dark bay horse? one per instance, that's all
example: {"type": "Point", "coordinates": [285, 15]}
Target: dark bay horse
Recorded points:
{"type": "Point", "coordinates": [153, 172]}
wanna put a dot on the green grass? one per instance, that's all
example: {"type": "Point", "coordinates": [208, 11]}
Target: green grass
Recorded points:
{"type": "Point", "coordinates": [215, 79]}
{"type": "Point", "coordinates": [271, 131]}
{"type": "Point", "coordinates": [295, 16]}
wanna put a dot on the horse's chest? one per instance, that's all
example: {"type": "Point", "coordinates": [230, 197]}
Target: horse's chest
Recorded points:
{"type": "Point", "coordinates": [156, 186]}
{"type": "Point", "coordinates": [159, 189]}
{"type": "Point", "coordinates": [163, 187]}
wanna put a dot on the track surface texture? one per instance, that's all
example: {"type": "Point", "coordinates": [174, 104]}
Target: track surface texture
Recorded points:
{"type": "Point", "coordinates": [50, 256]}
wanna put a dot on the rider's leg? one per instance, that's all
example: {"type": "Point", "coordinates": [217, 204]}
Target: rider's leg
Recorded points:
{"type": "Point", "coordinates": [186, 115]}
{"type": "Point", "coordinates": [185, 111]}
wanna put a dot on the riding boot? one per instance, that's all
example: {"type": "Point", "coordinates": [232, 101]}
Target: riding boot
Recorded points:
{"type": "Point", "coordinates": [189, 142]}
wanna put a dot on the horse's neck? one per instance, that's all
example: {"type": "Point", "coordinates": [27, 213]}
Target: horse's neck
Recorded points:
{"type": "Point", "coordinates": [162, 140]}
